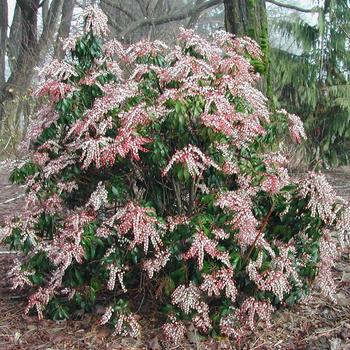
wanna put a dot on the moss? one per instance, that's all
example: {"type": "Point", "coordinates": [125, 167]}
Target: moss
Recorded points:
{"type": "Point", "coordinates": [251, 20]}
{"type": "Point", "coordinates": [251, 3]}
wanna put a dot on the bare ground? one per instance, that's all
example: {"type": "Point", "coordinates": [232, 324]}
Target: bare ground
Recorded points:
{"type": "Point", "coordinates": [318, 325]}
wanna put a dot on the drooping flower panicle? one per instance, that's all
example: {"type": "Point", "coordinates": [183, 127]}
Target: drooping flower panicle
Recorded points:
{"type": "Point", "coordinates": [159, 170]}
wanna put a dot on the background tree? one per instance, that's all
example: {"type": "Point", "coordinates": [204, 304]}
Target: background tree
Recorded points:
{"type": "Point", "coordinates": [22, 50]}
{"type": "Point", "coordinates": [250, 18]}
{"type": "Point", "coordinates": [311, 78]}
{"type": "Point", "coordinates": [65, 26]}
{"type": "Point", "coordinates": [129, 21]}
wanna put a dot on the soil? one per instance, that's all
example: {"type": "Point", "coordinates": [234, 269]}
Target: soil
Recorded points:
{"type": "Point", "coordinates": [318, 325]}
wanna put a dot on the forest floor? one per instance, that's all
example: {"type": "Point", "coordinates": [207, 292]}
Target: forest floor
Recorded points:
{"type": "Point", "coordinates": [318, 325]}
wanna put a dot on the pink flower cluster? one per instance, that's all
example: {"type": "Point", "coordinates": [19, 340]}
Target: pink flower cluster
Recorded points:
{"type": "Point", "coordinates": [56, 90]}
{"type": "Point", "coordinates": [202, 244]}
{"type": "Point", "coordinates": [245, 318]}
{"type": "Point", "coordinates": [218, 281]}
{"type": "Point", "coordinates": [240, 203]}
{"type": "Point", "coordinates": [193, 158]}
{"type": "Point", "coordinates": [277, 174]}
{"type": "Point", "coordinates": [95, 20]}
{"type": "Point", "coordinates": [296, 127]}
{"type": "Point", "coordinates": [144, 228]}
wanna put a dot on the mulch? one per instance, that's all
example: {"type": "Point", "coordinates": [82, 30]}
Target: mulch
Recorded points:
{"type": "Point", "coordinates": [317, 325]}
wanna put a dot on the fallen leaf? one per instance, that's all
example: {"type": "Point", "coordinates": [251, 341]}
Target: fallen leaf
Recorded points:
{"type": "Point", "coordinates": [192, 335]}
{"type": "Point", "coordinates": [153, 344]}
{"type": "Point", "coordinates": [335, 344]}
{"type": "Point", "coordinates": [17, 336]}
{"type": "Point", "coordinates": [346, 277]}
{"type": "Point", "coordinates": [342, 299]}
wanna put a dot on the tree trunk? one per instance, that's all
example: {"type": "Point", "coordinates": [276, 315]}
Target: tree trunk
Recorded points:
{"type": "Point", "coordinates": [65, 25]}
{"type": "Point", "coordinates": [31, 50]}
{"type": "Point", "coordinates": [14, 38]}
{"type": "Point", "coordinates": [249, 18]}
{"type": "Point", "coordinates": [3, 38]}
{"type": "Point", "coordinates": [246, 17]}
{"type": "Point", "coordinates": [44, 11]}
{"type": "Point", "coordinates": [28, 47]}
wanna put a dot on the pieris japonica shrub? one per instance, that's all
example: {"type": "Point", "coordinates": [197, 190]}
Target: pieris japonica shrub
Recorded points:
{"type": "Point", "coordinates": [158, 174]}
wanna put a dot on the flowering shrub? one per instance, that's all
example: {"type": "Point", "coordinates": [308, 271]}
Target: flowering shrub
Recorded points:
{"type": "Point", "coordinates": [159, 172]}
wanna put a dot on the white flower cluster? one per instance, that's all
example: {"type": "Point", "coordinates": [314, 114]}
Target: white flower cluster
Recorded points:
{"type": "Point", "coordinates": [96, 20]}
{"type": "Point", "coordinates": [343, 227]}
{"type": "Point", "coordinates": [56, 165]}
{"type": "Point", "coordinates": [174, 221]}
{"type": "Point", "coordinates": [277, 278]}
{"type": "Point", "coordinates": [252, 308]}
{"type": "Point", "coordinates": [238, 323]}
{"type": "Point", "coordinates": [187, 298]}
{"type": "Point", "coordinates": [99, 197]}
{"type": "Point", "coordinates": [202, 320]}
{"type": "Point", "coordinates": [40, 299]}
{"type": "Point", "coordinates": [18, 276]}
{"type": "Point", "coordinates": [127, 325]}
{"type": "Point", "coordinates": [328, 254]}
{"type": "Point", "coordinates": [116, 271]}
{"type": "Point", "coordinates": [322, 197]}
{"type": "Point", "coordinates": [107, 315]}
{"type": "Point", "coordinates": [276, 282]}
{"type": "Point", "coordinates": [151, 266]}
{"type": "Point", "coordinates": [174, 330]}
{"type": "Point", "coordinates": [58, 70]}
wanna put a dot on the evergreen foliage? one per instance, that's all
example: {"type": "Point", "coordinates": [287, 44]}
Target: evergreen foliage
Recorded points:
{"type": "Point", "coordinates": [315, 83]}
{"type": "Point", "coordinates": [158, 174]}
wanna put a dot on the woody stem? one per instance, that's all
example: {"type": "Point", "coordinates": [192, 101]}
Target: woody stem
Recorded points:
{"type": "Point", "coordinates": [261, 230]}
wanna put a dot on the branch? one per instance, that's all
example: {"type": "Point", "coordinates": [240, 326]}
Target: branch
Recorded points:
{"type": "Point", "coordinates": [177, 195]}
{"type": "Point", "coordinates": [177, 16]}
{"type": "Point", "coordinates": [345, 32]}
{"type": "Point", "coordinates": [113, 23]}
{"type": "Point", "coordinates": [51, 23]}
{"type": "Point", "coordinates": [185, 13]}
{"type": "Point", "coordinates": [142, 7]}
{"type": "Point", "coordinates": [194, 18]}
{"type": "Point", "coordinates": [120, 8]}
{"type": "Point", "coordinates": [27, 5]}
{"type": "Point", "coordinates": [42, 3]}
{"type": "Point", "coordinates": [293, 7]}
